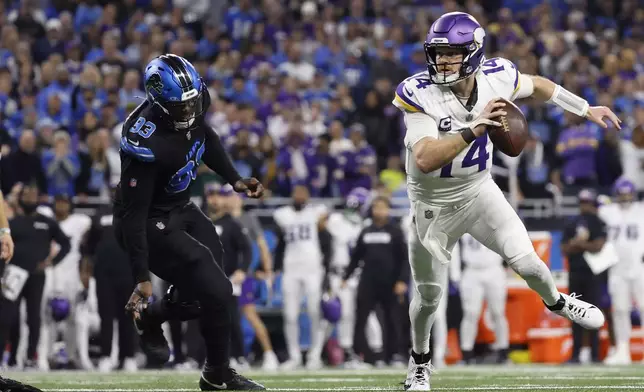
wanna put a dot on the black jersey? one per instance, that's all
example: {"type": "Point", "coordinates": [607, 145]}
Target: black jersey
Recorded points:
{"type": "Point", "coordinates": [158, 165]}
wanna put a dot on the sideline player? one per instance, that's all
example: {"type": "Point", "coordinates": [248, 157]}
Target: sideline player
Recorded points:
{"type": "Point", "coordinates": [163, 141]}
{"type": "Point", "coordinates": [299, 252]}
{"type": "Point", "coordinates": [449, 156]}
{"type": "Point", "coordinates": [625, 221]}
{"type": "Point", "coordinates": [483, 279]}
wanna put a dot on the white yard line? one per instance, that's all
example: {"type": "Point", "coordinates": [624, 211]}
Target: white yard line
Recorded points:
{"type": "Point", "coordinates": [482, 388]}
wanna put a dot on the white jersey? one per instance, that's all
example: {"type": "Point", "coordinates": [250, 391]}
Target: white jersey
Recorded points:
{"type": "Point", "coordinates": [302, 251]}
{"type": "Point", "coordinates": [625, 225]}
{"type": "Point", "coordinates": [632, 160]}
{"type": "Point", "coordinates": [476, 255]}
{"type": "Point", "coordinates": [459, 180]}
{"type": "Point", "coordinates": [345, 232]}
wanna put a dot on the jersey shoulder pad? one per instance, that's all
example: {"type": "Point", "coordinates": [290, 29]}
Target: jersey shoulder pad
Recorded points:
{"type": "Point", "coordinates": [139, 133]}
{"type": "Point", "coordinates": [504, 74]}
{"type": "Point", "coordinates": [407, 95]}
{"type": "Point", "coordinates": [280, 215]}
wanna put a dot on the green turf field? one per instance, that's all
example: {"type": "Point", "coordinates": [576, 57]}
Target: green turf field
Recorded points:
{"type": "Point", "coordinates": [505, 378]}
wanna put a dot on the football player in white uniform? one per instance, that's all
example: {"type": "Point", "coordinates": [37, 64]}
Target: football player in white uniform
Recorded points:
{"type": "Point", "coordinates": [300, 254]}
{"type": "Point", "coordinates": [625, 221]}
{"type": "Point", "coordinates": [483, 278]}
{"type": "Point", "coordinates": [345, 227]}
{"type": "Point", "coordinates": [64, 283]}
{"type": "Point", "coordinates": [449, 156]}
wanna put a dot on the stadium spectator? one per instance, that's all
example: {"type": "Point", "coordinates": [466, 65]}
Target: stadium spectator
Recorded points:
{"type": "Point", "coordinates": [26, 157]}
{"type": "Point", "coordinates": [61, 165]}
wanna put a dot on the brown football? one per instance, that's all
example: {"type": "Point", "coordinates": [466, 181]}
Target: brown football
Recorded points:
{"type": "Point", "coordinates": [511, 137]}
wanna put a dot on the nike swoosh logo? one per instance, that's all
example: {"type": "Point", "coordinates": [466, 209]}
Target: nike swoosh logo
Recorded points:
{"type": "Point", "coordinates": [133, 142]}
{"type": "Point", "coordinates": [217, 386]}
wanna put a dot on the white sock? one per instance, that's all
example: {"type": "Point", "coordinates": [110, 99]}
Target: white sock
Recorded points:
{"type": "Point", "coordinates": [535, 272]}
{"type": "Point", "coordinates": [501, 331]}
{"type": "Point", "coordinates": [422, 318]}
{"type": "Point", "coordinates": [622, 327]}
{"type": "Point", "coordinates": [469, 328]}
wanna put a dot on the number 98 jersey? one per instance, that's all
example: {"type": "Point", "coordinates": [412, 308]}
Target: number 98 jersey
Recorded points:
{"type": "Point", "coordinates": [459, 180]}
{"type": "Point", "coordinates": [302, 251]}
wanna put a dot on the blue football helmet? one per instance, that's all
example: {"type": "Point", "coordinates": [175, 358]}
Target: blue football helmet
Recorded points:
{"type": "Point", "coordinates": [175, 85]}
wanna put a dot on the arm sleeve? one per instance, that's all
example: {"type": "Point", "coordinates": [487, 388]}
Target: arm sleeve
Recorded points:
{"type": "Point", "coordinates": [216, 158]}
{"type": "Point", "coordinates": [61, 239]}
{"type": "Point", "coordinates": [356, 255]}
{"type": "Point", "coordinates": [242, 243]}
{"type": "Point", "coordinates": [326, 242]}
{"type": "Point", "coordinates": [419, 126]}
{"type": "Point", "coordinates": [137, 187]}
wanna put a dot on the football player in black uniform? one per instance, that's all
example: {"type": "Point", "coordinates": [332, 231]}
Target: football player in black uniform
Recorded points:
{"type": "Point", "coordinates": [163, 141]}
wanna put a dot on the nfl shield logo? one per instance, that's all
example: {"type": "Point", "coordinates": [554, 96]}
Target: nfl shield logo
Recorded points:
{"type": "Point", "coordinates": [429, 214]}
{"type": "Point", "coordinates": [469, 117]}
{"type": "Point", "coordinates": [132, 182]}
{"type": "Point", "coordinates": [160, 225]}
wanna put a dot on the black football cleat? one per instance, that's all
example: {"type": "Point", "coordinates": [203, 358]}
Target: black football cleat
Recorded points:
{"type": "Point", "coordinates": [153, 342]}
{"type": "Point", "coordinates": [15, 386]}
{"type": "Point", "coordinates": [234, 382]}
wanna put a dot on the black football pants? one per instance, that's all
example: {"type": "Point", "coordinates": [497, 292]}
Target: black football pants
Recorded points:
{"type": "Point", "coordinates": [112, 293]}
{"type": "Point", "coordinates": [184, 250]}
{"type": "Point", "coordinates": [590, 287]}
{"type": "Point", "coordinates": [32, 292]}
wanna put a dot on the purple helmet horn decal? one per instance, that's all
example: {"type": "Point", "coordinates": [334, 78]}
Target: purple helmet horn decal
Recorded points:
{"type": "Point", "coordinates": [331, 308]}
{"type": "Point", "coordinates": [456, 31]}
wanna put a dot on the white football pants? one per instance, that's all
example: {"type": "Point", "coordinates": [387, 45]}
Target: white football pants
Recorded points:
{"type": "Point", "coordinates": [623, 290]}
{"type": "Point", "coordinates": [489, 284]}
{"type": "Point", "coordinates": [488, 217]}
{"type": "Point", "coordinates": [295, 286]}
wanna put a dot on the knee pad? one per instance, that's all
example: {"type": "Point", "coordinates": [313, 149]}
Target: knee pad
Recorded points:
{"type": "Point", "coordinates": [529, 265]}
{"type": "Point", "coordinates": [430, 294]}
{"type": "Point", "coordinates": [180, 310]}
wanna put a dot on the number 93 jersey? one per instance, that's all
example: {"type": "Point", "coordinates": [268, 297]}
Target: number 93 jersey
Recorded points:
{"type": "Point", "coordinates": [302, 251]}
{"type": "Point", "coordinates": [460, 179]}
{"type": "Point", "coordinates": [172, 154]}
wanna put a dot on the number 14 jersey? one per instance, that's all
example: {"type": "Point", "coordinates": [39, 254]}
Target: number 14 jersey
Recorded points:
{"type": "Point", "coordinates": [459, 180]}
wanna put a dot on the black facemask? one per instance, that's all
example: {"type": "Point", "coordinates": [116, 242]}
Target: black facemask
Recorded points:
{"type": "Point", "coordinates": [28, 208]}
{"type": "Point", "coordinates": [298, 205]}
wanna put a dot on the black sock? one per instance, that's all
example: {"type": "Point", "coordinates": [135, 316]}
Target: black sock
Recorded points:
{"type": "Point", "coordinates": [421, 358]}
{"type": "Point", "coordinates": [348, 354]}
{"type": "Point", "coordinates": [468, 355]}
{"type": "Point", "coordinates": [558, 306]}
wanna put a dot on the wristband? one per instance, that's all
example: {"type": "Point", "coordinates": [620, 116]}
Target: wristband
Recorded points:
{"type": "Point", "coordinates": [5, 231]}
{"type": "Point", "coordinates": [468, 135]}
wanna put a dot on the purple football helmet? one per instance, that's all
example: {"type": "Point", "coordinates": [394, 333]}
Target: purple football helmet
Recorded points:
{"type": "Point", "coordinates": [457, 31]}
{"type": "Point", "coordinates": [60, 308]}
{"type": "Point", "coordinates": [624, 190]}
{"type": "Point", "coordinates": [358, 199]}
{"type": "Point", "coordinates": [331, 308]}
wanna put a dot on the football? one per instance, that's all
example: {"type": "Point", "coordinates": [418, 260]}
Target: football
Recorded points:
{"type": "Point", "coordinates": [513, 134]}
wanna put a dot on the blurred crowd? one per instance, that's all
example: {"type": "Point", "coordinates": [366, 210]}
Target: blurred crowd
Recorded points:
{"type": "Point", "coordinates": [302, 89]}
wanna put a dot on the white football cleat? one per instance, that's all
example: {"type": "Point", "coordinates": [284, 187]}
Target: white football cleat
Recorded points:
{"type": "Point", "coordinates": [270, 362]}
{"type": "Point", "coordinates": [621, 355]}
{"type": "Point", "coordinates": [130, 365]}
{"type": "Point", "coordinates": [105, 365]}
{"type": "Point", "coordinates": [418, 376]}
{"type": "Point", "coordinates": [581, 312]}
{"type": "Point", "coordinates": [291, 364]}
{"type": "Point", "coordinates": [314, 364]}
